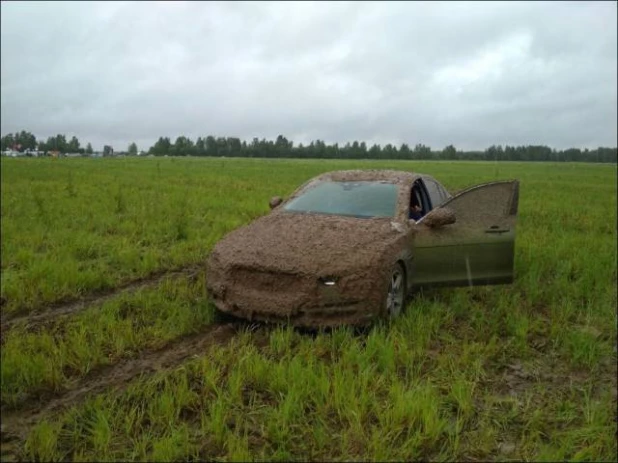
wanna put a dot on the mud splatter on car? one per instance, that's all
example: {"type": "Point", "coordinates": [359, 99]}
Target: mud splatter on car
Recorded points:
{"type": "Point", "coordinates": [349, 246]}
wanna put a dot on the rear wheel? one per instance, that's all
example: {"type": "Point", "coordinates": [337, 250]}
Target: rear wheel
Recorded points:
{"type": "Point", "coordinates": [396, 295]}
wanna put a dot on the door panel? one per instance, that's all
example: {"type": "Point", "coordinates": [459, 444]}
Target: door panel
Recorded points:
{"type": "Point", "coordinates": [478, 248]}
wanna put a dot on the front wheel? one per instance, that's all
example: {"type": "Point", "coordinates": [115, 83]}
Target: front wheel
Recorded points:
{"type": "Point", "coordinates": [396, 295]}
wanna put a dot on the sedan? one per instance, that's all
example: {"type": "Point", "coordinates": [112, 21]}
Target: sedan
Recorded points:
{"type": "Point", "coordinates": [349, 247]}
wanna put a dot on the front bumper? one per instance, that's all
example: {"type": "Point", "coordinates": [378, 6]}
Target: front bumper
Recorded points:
{"type": "Point", "coordinates": [321, 317]}
{"type": "Point", "coordinates": [299, 300]}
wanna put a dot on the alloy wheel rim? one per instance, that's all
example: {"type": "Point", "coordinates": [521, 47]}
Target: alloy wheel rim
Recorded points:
{"type": "Point", "coordinates": [394, 298]}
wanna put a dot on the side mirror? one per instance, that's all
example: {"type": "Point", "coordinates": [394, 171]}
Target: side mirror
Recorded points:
{"type": "Point", "coordinates": [275, 201]}
{"type": "Point", "coordinates": [439, 217]}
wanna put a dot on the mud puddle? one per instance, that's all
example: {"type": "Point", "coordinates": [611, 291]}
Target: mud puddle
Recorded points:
{"type": "Point", "coordinates": [52, 311]}
{"type": "Point", "coordinates": [16, 424]}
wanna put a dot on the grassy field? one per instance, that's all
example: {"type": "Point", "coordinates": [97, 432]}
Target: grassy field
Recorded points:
{"type": "Point", "coordinates": [111, 350]}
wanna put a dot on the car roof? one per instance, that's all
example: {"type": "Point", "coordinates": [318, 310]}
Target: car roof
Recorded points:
{"type": "Point", "coordinates": [394, 176]}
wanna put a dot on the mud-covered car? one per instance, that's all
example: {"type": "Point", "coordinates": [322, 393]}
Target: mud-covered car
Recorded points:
{"type": "Point", "coordinates": [350, 246]}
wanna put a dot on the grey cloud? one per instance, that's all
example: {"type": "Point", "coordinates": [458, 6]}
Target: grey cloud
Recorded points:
{"type": "Point", "coordinates": [468, 73]}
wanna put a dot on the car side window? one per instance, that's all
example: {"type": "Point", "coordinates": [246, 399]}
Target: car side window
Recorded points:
{"type": "Point", "coordinates": [427, 204]}
{"type": "Point", "coordinates": [419, 202]}
{"type": "Point", "coordinates": [444, 193]}
{"type": "Point", "coordinates": [434, 192]}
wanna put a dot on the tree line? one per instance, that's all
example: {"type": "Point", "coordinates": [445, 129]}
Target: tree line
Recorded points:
{"type": "Point", "coordinates": [25, 141]}
{"type": "Point", "coordinates": [284, 148]}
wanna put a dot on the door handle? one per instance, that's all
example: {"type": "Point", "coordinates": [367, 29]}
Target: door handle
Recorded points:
{"type": "Point", "coordinates": [497, 229]}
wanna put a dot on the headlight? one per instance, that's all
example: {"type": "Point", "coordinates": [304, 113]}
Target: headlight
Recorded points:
{"type": "Point", "coordinates": [328, 280]}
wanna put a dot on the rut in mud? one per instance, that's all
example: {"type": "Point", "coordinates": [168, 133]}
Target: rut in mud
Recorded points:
{"type": "Point", "coordinates": [50, 312]}
{"type": "Point", "coordinates": [17, 424]}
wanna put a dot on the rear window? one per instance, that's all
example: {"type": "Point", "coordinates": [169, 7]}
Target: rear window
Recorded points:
{"type": "Point", "coordinates": [356, 199]}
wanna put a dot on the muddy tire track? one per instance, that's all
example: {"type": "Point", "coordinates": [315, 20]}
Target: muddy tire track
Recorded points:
{"type": "Point", "coordinates": [16, 424]}
{"type": "Point", "coordinates": [55, 310]}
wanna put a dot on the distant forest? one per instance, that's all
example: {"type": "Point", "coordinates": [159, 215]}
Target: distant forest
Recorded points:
{"type": "Point", "coordinates": [283, 148]}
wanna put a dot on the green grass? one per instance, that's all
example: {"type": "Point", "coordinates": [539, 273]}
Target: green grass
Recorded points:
{"type": "Point", "coordinates": [524, 371]}
{"type": "Point", "coordinates": [339, 396]}
{"type": "Point", "coordinates": [70, 347]}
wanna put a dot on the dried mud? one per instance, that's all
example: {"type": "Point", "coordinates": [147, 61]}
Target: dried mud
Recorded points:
{"type": "Point", "coordinates": [318, 270]}
{"type": "Point", "coordinates": [39, 317]}
{"type": "Point", "coordinates": [326, 271]}
{"type": "Point", "coordinates": [311, 270]}
{"type": "Point", "coordinates": [16, 424]}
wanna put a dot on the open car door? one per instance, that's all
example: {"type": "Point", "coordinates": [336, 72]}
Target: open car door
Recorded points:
{"type": "Point", "coordinates": [478, 248]}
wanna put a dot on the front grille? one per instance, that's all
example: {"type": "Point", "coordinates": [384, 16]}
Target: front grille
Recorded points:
{"type": "Point", "coordinates": [267, 281]}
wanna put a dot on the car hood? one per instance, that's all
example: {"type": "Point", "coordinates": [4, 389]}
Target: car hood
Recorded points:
{"type": "Point", "coordinates": [307, 243]}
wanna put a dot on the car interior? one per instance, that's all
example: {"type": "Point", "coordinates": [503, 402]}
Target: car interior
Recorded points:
{"type": "Point", "coordinates": [418, 197]}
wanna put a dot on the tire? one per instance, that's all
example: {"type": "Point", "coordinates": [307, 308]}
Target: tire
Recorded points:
{"type": "Point", "coordinates": [396, 293]}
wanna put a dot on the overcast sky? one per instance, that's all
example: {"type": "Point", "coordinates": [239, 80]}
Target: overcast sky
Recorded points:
{"type": "Point", "coordinates": [470, 74]}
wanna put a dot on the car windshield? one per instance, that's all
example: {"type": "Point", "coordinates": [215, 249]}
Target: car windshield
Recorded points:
{"type": "Point", "coordinates": [357, 199]}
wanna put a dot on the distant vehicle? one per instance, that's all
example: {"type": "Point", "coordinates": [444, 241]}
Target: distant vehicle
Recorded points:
{"type": "Point", "coordinates": [349, 247]}
{"type": "Point", "coordinates": [12, 153]}
{"type": "Point", "coordinates": [33, 153]}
